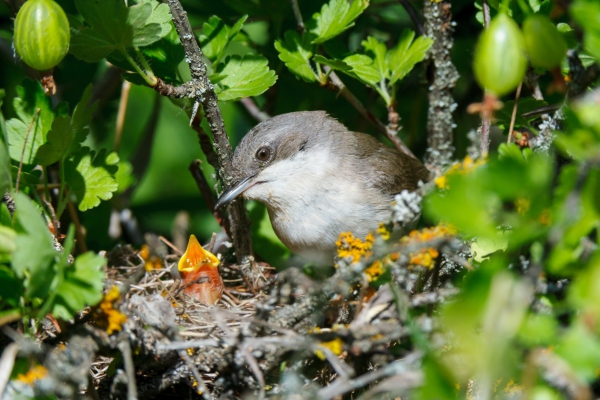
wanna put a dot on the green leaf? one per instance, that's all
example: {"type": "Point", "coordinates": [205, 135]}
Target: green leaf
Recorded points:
{"type": "Point", "coordinates": [296, 52]}
{"type": "Point", "coordinates": [113, 26]}
{"type": "Point", "coordinates": [405, 55]}
{"type": "Point", "coordinates": [525, 105]}
{"type": "Point", "coordinates": [377, 52]}
{"type": "Point", "coordinates": [338, 65]}
{"type": "Point", "coordinates": [11, 288]}
{"type": "Point", "coordinates": [81, 286]}
{"type": "Point", "coordinates": [364, 69]}
{"type": "Point", "coordinates": [32, 233]}
{"type": "Point", "coordinates": [91, 177]}
{"type": "Point", "coordinates": [247, 76]}
{"type": "Point", "coordinates": [161, 15]}
{"type": "Point", "coordinates": [165, 57]}
{"type": "Point", "coordinates": [5, 177]}
{"type": "Point", "coordinates": [217, 35]}
{"type": "Point", "coordinates": [27, 132]}
{"type": "Point", "coordinates": [124, 176]}
{"type": "Point", "coordinates": [587, 15]}
{"type": "Point", "coordinates": [67, 133]}
{"type": "Point", "coordinates": [335, 17]}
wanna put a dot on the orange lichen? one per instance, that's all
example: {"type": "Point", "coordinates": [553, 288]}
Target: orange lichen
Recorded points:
{"type": "Point", "coordinates": [114, 318]}
{"type": "Point", "coordinates": [427, 256]}
{"type": "Point", "coordinates": [151, 261]}
{"type": "Point", "coordinates": [35, 373]}
{"type": "Point", "coordinates": [463, 167]}
{"type": "Point", "coordinates": [350, 246]}
{"type": "Point", "coordinates": [200, 273]}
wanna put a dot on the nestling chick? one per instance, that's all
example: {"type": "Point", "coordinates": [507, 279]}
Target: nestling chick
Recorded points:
{"type": "Point", "coordinates": [318, 180]}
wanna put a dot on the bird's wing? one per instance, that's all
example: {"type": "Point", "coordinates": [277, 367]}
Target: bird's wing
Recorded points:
{"type": "Point", "coordinates": [395, 171]}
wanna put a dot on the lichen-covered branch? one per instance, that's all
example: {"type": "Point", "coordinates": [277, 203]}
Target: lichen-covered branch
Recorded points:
{"type": "Point", "coordinates": [203, 92]}
{"type": "Point", "coordinates": [438, 26]}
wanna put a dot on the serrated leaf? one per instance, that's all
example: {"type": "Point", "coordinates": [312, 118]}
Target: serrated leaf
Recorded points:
{"type": "Point", "coordinates": [32, 233]}
{"type": "Point", "coordinates": [217, 35]}
{"type": "Point", "coordinates": [91, 177]}
{"type": "Point", "coordinates": [247, 76]}
{"type": "Point", "coordinates": [81, 286]}
{"type": "Point", "coordinates": [30, 97]}
{"type": "Point", "coordinates": [406, 54]}
{"type": "Point", "coordinates": [161, 15]}
{"type": "Point", "coordinates": [165, 57]}
{"type": "Point", "coordinates": [113, 26]}
{"type": "Point", "coordinates": [35, 117]}
{"type": "Point", "coordinates": [67, 133]}
{"type": "Point", "coordinates": [377, 52]}
{"type": "Point", "coordinates": [124, 176]}
{"type": "Point", "coordinates": [587, 14]}
{"type": "Point", "coordinates": [525, 105]}
{"type": "Point", "coordinates": [363, 68]}
{"type": "Point", "coordinates": [296, 52]}
{"type": "Point", "coordinates": [24, 139]}
{"type": "Point", "coordinates": [335, 17]}
{"type": "Point", "coordinates": [338, 65]}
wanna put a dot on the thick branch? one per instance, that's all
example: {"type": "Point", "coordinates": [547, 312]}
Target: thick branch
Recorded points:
{"type": "Point", "coordinates": [438, 26]}
{"type": "Point", "coordinates": [204, 93]}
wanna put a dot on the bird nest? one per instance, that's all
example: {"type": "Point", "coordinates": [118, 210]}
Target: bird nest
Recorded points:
{"type": "Point", "coordinates": [270, 335]}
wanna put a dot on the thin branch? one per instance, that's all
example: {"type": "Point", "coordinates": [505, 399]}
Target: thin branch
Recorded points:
{"type": "Point", "coordinates": [299, 22]}
{"type": "Point", "coordinates": [207, 195]}
{"type": "Point", "coordinates": [336, 84]}
{"type": "Point", "coordinates": [29, 128]}
{"type": "Point", "coordinates": [206, 95]}
{"type": "Point", "coordinates": [514, 113]}
{"type": "Point", "coordinates": [125, 349]}
{"type": "Point", "coordinates": [412, 13]}
{"type": "Point", "coordinates": [253, 110]}
{"type": "Point", "coordinates": [486, 122]}
{"type": "Point", "coordinates": [125, 89]}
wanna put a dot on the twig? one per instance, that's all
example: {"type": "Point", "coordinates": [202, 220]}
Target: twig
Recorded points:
{"type": "Point", "coordinates": [171, 245]}
{"type": "Point", "coordinates": [299, 22]}
{"type": "Point", "coordinates": [514, 113]}
{"type": "Point", "coordinates": [253, 109]}
{"type": "Point", "coordinates": [207, 195]}
{"type": "Point", "coordinates": [125, 89]}
{"type": "Point", "coordinates": [79, 232]}
{"type": "Point", "coordinates": [205, 144]}
{"type": "Point", "coordinates": [341, 386]}
{"type": "Point", "coordinates": [412, 13]}
{"type": "Point", "coordinates": [6, 365]}
{"type": "Point", "coordinates": [440, 124]}
{"type": "Point", "coordinates": [336, 84]}
{"type": "Point", "coordinates": [205, 94]}
{"type": "Point", "coordinates": [29, 128]}
{"type": "Point", "coordinates": [125, 349]}
{"type": "Point", "coordinates": [486, 122]}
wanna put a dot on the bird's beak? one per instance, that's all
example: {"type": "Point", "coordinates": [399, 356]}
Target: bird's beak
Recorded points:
{"type": "Point", "coordinates": [230, 194]}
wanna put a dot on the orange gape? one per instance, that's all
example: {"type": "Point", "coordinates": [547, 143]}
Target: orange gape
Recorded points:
{"type": "Point", "coordinates": [201, 265]}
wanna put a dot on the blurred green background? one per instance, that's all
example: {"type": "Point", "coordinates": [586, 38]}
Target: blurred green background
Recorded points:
{"type": "Point", "coordinates": [165, 186]}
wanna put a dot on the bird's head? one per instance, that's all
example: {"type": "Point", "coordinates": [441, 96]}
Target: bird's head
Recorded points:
{"type": "Point", "coordinates": [275, 150]}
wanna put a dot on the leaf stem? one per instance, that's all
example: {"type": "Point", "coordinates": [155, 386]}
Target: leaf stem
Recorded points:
{"type": "Point", "coordinates": [150, 81]}
{"type": "Point", "coordinates": [33, 121]}
{"type": "Point", "coordinates": [145, 65]}
{"type": "Point", "coordinates": [62, 196]}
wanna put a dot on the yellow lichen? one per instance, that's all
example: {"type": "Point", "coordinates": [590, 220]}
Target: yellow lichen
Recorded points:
{"type": "Point", "coordinates": [35, 373]}
{"type": "Point", "coordinates": [462, 167]}
{"type": "Point", "coordinates": [350, 246]}
{"type": "Point", "coordinates": [151, 262]}
{"type": "Point", "coordinates": [375, 271]}
{"type": "Point", "coordinates": [383, 232]}
{"type": "Point", "coordinates": [427, 256]}
{"type": "Point", "coordinates": [336, 346]}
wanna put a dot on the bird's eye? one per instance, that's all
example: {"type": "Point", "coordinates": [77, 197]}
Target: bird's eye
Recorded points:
{"type": "Point", "coordinates": [263, 154]}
